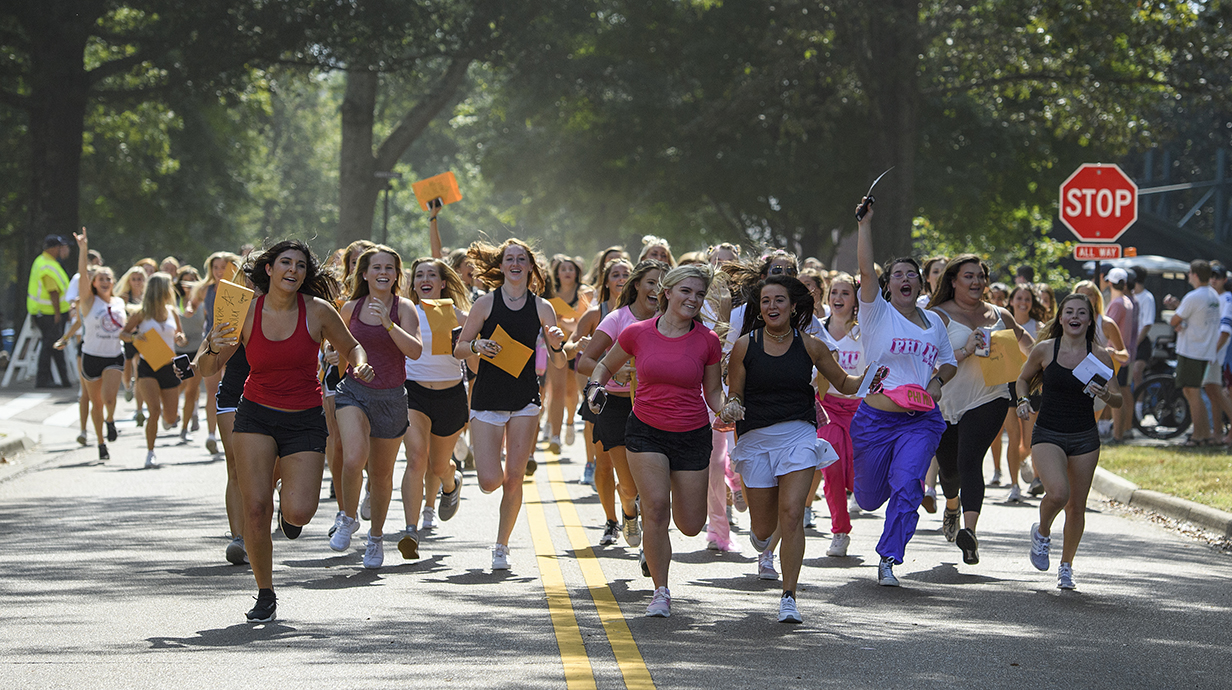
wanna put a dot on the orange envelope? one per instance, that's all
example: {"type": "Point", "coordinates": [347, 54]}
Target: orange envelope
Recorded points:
{"type": "Point", "coordinates": [443, 187]}
{"type": "Point", "coordinates": [564, 311]}
{"type": "Point", "coordinates": [231, 303]}
{"type": "Point", "coordinates": [1004, 361]}
{"type": "Point", "coordinates": [513, 355]}
{"type": "Point", "coordinates": [441, 322]}
{"type": "Point", "coordinates": [153, 349]}
{"type": "Point", "coordinates": [230, 271]}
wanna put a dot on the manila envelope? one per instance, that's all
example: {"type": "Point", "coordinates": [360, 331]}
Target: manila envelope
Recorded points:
{"type": "Point", "coordinates": [441, 322]}
{"type": "Point", "coordinates": [443, 187]}
{"type": "Point", "coordinates": [564, 311]}
{"type": "Point", "coordinates": [513, 355]}
{"type": "Point", "coordinates": [153, 349]}
{"type": "Point", "coordinates": [231, 304]}
{"type": "Point", "coordinates": [229, 272]}
{"type": "Point", "coordinates": [1004, 362]}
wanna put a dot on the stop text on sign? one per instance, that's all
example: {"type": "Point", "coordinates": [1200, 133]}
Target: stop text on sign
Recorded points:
{"type": "Point", "coordinates": [1107, 202]}
{"type": "Point", "coordinates": [1098, 202]}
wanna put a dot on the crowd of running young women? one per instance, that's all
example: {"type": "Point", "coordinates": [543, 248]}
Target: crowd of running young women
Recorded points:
{"type": "Point", "coordinates": [702, 382]}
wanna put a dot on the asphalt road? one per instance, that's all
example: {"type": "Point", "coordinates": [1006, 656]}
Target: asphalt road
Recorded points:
{"type": "Point", "coordinates": [114, 576]}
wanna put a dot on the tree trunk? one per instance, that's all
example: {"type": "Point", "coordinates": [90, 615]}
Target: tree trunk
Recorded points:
{"type": "Point", "coordinates": [358, 187]}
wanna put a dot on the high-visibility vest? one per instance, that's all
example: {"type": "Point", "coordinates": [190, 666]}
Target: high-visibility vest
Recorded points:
{"type": "Point", "coordinates": [38, 297]}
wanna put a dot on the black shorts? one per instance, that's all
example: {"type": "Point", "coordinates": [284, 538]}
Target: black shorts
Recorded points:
{"type": "Point", "coordinates": [1190, 372]}
{"type": "Point", "coordinates": [166, 376]}
{"type": "Point", "coordinates": [92, 367]}
{"type": "Point", "coordinates": [130, 351]}
{"type": "Point", "coordinates": [446, 407]}
{"type": "Point", "coordinates": [610, 428]}
{"type": "Point", "coordinates": [302, 431]}
{"type": "Point", "coordinates": [1122, 376]}
{"type": "Point", "coordinates": [1077, 443]}
{"type": "Point", "coordinates": [1144, 351]}
{"type": "Point", "coordinates": [686, 451]}
{"type": "Point", "coordinates": [585, 413]}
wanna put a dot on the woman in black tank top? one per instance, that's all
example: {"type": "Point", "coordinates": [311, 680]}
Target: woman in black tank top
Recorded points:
{"type": "Point", "coordinates": [1065, 442]}
{"type": "Point", "coordinates": [770, 377]}
{"type": "Point", "coordinates": [504, 406]}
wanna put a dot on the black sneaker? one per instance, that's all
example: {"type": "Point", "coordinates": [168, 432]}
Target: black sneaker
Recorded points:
{"type": "Point", "coordinates": [531, 466]}
{"type": "Point", "coordinates": [447, 507]}
{"type": "Point", "coordinates": [641, 557]}
{"type": "Point", "coordinates": [112, 434]}
{"type": "Point", "coordinates": [102, 452]}
{"type": "Point", "coordinates": [288, 530]}
{"type": "Point", "coordinates": [970, 546]}
{"type": "Point", "coordinates": [263, 611]}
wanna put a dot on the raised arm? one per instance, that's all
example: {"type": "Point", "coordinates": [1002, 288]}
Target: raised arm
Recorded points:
{"type": "Point", "coordinates": [864, 257]}
{"type": "Point", "coordinates": [85, 293]}
{"type": "Point", "coordinates": [434, 234]}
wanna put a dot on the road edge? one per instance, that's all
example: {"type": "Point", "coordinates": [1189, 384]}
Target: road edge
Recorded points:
{"type": "Point", "coordinates": [1124, 491]}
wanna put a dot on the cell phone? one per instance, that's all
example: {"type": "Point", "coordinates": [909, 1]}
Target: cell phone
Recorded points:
{"type": "Point", "coordinates": [183, 367]}
{"type": "Point", "coordinates": [453, 336]}
{"type": "Point", "coordinates": [436, 203]}
{"type": "Point", "coordinates": [1097, 380]}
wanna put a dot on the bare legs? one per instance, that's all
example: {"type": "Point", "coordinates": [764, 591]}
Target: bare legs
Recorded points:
{"type": "Point", "coordinates": [1067, 482]}
{"type": "Point", "coordinates": [667, 495]}
{"type": "Point", "coordinates": [518, 436]}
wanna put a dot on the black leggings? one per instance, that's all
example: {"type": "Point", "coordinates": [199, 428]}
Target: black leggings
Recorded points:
{"type": "Point", "coordinates": [960, 455]}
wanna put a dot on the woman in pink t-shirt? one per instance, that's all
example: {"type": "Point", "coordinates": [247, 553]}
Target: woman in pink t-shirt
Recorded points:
{"type": "Point", "coordinates": [678, 377]}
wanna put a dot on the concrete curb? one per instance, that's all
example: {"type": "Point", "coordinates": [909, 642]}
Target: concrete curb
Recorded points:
{"type": "Point", "coordinates": [15, 444]}
{"type": "Point", "coordinates": [1124, 491]}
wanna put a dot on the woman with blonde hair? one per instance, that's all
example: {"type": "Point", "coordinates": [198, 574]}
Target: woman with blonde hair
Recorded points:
{"type": "Point", "coordinates": [562, 384]}
{"type": "Point", "coordinates": [658, 249]}
{"type": "Point", "coordinates": [216, 267]}
{"type": "Point", "coordinates": [594, 277]}
{"type": "Point", "coordinates": [131, 288]}
{"type": "Point", "coordinates": [160, 388]}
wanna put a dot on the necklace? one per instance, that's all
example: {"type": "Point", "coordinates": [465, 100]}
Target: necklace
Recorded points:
{"type": "Point", "coordinates": [778, 338]}
{"type": "Point", "coordinates": [509, 297]}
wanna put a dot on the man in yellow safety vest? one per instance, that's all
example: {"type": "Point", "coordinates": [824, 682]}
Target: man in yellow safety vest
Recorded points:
{"type": "Point", "coordinates": [46, 303]}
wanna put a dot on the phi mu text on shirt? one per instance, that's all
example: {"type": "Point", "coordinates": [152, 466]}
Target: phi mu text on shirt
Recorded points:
{"type": "Point", "coordinates": [927, 352]}
{"type": "Point", "coordinates": [847, 359]}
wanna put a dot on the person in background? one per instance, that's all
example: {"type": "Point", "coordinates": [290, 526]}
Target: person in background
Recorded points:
{"type": "Point", "coordinates": [47, 305]}
{"type": "Point", "coordinates": [170, 266]}
{"type": "Point", "coordinates": [1121, 310]}
{"type": "Point", "coordinates": [1212, 382]}
{"type": "Point", "coordinates": [1025, 275]}
{"type": "Point", "coordinates": [658, 249]}
{"type": "Point", "coordinates": [1048, 299]}
{"type": "Point", "coordinates": [999, 295]}
{"type": "Point", "coordinates": [1196, 322]}
{"type": "Point", "coordinates": [1146, 318]}
{"type": "Point", "coordinates": [94, 260]}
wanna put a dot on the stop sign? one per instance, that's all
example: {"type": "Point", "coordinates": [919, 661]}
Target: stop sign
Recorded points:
{"type": "Point", "coordinates": [1099, 202]}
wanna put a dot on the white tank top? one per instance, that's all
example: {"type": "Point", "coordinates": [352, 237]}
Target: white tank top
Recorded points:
{"type": "Point", "coordinates": [430, 367]}
{"type": "Point", "coordinates": [164, 328]}
{"type": "Point", "coordinates": [966, 391]}
{"type": "Point", "coordinates": [102, 326]}
{"type": "Point", "coordinates": [849, 354]}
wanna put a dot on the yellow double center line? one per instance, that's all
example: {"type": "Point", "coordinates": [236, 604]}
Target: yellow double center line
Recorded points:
{"type": "Point", "coordinates": [576, 662]}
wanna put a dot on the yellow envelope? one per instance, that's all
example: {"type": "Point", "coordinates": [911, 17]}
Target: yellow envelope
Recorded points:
{"type": "Point", "coordinates": [230, 271]}
{"type": "Point", "coordinates": [443, 187]}
{"type": "Point", "coordinates": [513, 355]}
{"type": "Point", "coordinates": [441, 322]}
{"type": "Point", "coordinates": [1005, 360]}
{"type": "Point", "coordinates": [564, 311]}
{"type": "Point", "coordinates": [231, 304]}
{"type": "Point", "coordinates": [153, 349]}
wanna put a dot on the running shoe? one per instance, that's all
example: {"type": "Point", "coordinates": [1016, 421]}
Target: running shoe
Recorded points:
{"type": "Point", "coordinates": [570, 434]}
{"type": "Point", "coordinates": [427, 520]}
{"type": "Point", "coordinates": [853, 506]}
{"type": "Point", "coordinates": [112, 434]}
{"type": "Point", "coordinates": [236, 553]}
{"type": "Point", "coordinates": [185, 438]}
{"type": "Point", "coordinates": [949, 524]}
{"type": "Point", "coordinates": [168, 426]}
{"type": "Point", "coordinates": [1065, 576]}
{"type": "Point", "coordinates": [611, 532]}
{"type": "Point", "coordinates": [1039, 548]}
{"type": "Point", "coordinates": [374, 552]}
{"type": "Point", "coordinates": [808, 518]}
{"type": "Point", "coordinates": [788, 611]}
{"type": "Point", "coordinates": [408, 545]}
{"type": "Point", "coordinates": [347, 526]}
{"type": "Point", "coordinates": [102, 452]}
{"type": "Point", "coordinates": [1026, 471]}
{"type": "Point", "coordinates": [211, 444]}
{"type": "Point", "coordinates": [838, 545]}
{"type": "Point", "coordinates": [885, 573]}
{"type": "Point", "coordinates": [641, 560]}
{"type": "Point", "coordinates": [150, 461]}
{"type": "Point", "coordinates": [531, 466]}
{"type": "Point", "coordinates": [738, 500]}
{"type": "Point", "coordinates": [500, 557]}
{"type": "Point", "coordinates": [365, 506]}
{"type": "Point", "coordinates": [140, 418]}
{"type": "Point", "coordinates": [765, 566]}
{"type": "Point", "coordinates": [970, 545]}
{"type": "Point", "coordinates": [194, 425]}
{"type": "Point", "coordinates": [554, 444]}
{"type": "Point", "coordinates": [1015, 495]}
{"type": "Point", "coordinates": [1037, 487]}
{"type": "Point", "coordinates": [632, 530]}
{"type": "Point", "coordinates": [759, 545]}
{"type": "Point", "coordinates": [128, 394]}
{"type": "Point", "coordinates": [81, 438]}
{"type": "Point", "coordinates": [447, 507]}
{"type": "Point", "coordinates": [588, 474]}
{"type": "Point", "coordinates": [288, 530]}
{"type": "Point", "coordinates": [337, 523]}
{"type": "Point", "coordinates": [333, 492]}
{"type": "Point", "coordinates": [930, 500]}
{"type": "Point", "coordinates": [265, 608]}
{"type": "Point", "coordinates": [996, 479]}
{"type": "Point", "coordinates": [660, 604]}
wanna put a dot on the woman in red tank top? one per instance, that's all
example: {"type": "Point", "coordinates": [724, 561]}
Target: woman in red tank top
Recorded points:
{"type": "Point", "coordinates": [280, 414]}
{"type": "Point", "coordinates": [372, 416]}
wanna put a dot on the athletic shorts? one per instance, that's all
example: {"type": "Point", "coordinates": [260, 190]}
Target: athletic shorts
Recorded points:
{"type": "Point", "coordinates": [384, 407]}
{"type": "Point", "coordinates": [166, 376]}
{"type": "Point", "coordinates": [130, 351]}
{"type": "Point", "coordinates": [502, 417]}
{"type": "Point", "coordinates": [1077, 443]}
{"type": "Point", "coordinates": [446, 407]}
{"type": "Point", "coordinates": [1144, 351]}
{"type": "Point", "coordinates": [763, 455]}
{"type": "Point", "coordinates": [1190, 372]}
{"type": "Point", "coordinates": [686, 451]}
{"type": "Point", "coordinates": [1122, 376]}
{"type": "Point", "coordinates": [92, 367]}
{"type": "Point", "coordinates": [613, 420]}
{"type": "Point", "coordinates": [301, 431]}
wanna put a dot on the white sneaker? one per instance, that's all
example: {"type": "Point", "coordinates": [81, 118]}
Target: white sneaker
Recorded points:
{"type": "Point", "coordinates": [337, 523]}
{"type": "Point", "coordinates": [211, 444]}
{"type": "Point", "coordinates": [765, 566]}
{"type": "Point", "coordinates": [374, 554]}
{"type": "Point", "coordinates": [1026, 472]}
{"type": "Point", "coordinates": [81, 438]}
{"type": "Point", "coordinates": [1015, 495]}
{"type": "Point", "coordinates": [808, 518]}
{"type": "Point", "coordinates": [150, 461]}
{"type": "Point", "coordinates": [632, 531]}
{"type": "Point", "coordinates": [1065, 576]}
{"type": "Point", "coordinates": [885, 573]}
{"type": "Point", "coordinates": [660, 604]}
{"type": "Point", "coordinates": [788, 611]}
{"type": "Point", "coordinates": [1040, 545]}
{"type": "Point", "coordinates": [347, 527]}
{"type": "Point", "coordinates": [996, 478]}
{"type": "Point", "coordinates": [554, 444]}
{"type": "Point", "coordinates": [365, 506]}
{"type": "Point", "coordinates": [193, 424]}
{"type": "Point", "coordinates": [838, 545]}
{"type": "Point", "coordinates": [853, 507]}
{"type": "Point", "coordinates": [427, 519]}
{"type": "Point", "coordinates": [185, 439]}
{"type": "Point", "coordinates": [738, 500]}
{"type": "Point", "coordinates": [500, 557]}
{"type": "Point", "coordinates": [570, 435]}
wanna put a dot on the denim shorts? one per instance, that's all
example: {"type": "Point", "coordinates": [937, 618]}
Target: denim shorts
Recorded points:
{"type": "Point", "coordinates": [1077, 443]}
{"type": "Point", "coordinates": [384, 407]}
{"type": "Point", "coordinates": [686, 451]}
{"type": "Point", "coordinates": [300, 431]}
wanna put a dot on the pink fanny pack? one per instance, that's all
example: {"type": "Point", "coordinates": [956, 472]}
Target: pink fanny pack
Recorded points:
{"type": "Point", "coordinates": [910, 397]}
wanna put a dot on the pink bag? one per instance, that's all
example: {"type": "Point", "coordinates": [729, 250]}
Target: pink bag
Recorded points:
{"type": "Point", "coordinates": [911, 397]}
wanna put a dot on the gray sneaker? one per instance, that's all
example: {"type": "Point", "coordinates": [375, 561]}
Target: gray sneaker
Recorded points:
{"type": "Point", "coordinates": [632, 530]}
{"type": "Point", "coordinates": [448, 505]}
{"type": "Point", "coordinates": [885, 573]}
{"type": "Point", "coordinates": [759, 545]}
{"type": "Point", "coordinates": [236, 553]}
{"type": "Point", "coordinates": [365, 506]}
{"type": "Point", "coordinates": [1065, 576]}
{"type": "Point", "coordinates": [374, 553]}
{"type": "Point", "coordinates": [1039, 548]}
{"type": "Point", "coordinates": [347, 527]}
{"type": "Point", "coordinates": [408, 545]}
{"type": "Point", "coordinates": [949, 524]}
{"type": "Point", "coordinates": [788, 611]}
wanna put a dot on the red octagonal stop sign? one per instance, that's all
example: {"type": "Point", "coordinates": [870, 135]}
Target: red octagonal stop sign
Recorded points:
{"type": "Point", "coordinates": [1099, 202]}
